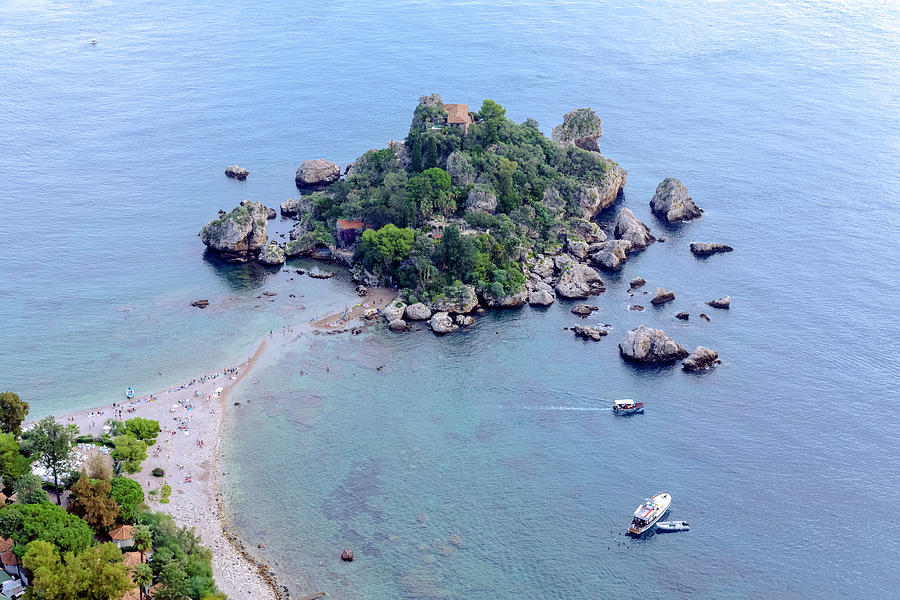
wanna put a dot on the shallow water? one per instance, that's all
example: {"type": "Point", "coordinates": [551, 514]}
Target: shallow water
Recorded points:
{"type": "Point", "coordinates": [782, 119]}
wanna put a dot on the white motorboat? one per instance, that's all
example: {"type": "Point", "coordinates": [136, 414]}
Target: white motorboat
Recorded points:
{"type": "Point", "coordinates": [649, 512]}
{"type": "Point", "coordinates": [673, 526]}
{"type": "Point", "coordinates": [627, 407]}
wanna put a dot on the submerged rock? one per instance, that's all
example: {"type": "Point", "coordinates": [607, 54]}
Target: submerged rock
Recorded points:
{"type": "Point", "coordinates": [202, 303]}
{"type": "Point", "coordinates": [662, 296]}
{"type": "Point", "coordinates": [398, 325]}
{"type": "Point", "coordinates": [637, 282]}
{"type": "Point", "coordinates": [721, 302]}
{"type": "Point", "coordinates": [637, 307]}
{"type": "Point", "coordinates": [316, 173]}
{"type": "Point", "coordinates": [583, 310]}
{"type": "Point", "coordinates": [701, 358]}
{"type": "Point", "coordinates": [347, 555]}
{"type": "Point", "coordinates": [589, 333]}
{"type": "Point", "coordinates": [628, 227]}
{"type": "Point", "coordinates": [647, 345]}
{"type": "Point", "coordinates": [673, 203]}
{"type": "Point", "coordinates": [684, 316]}
{"type": "Point", "coordinates": [236, 172]}
{"type": "Point", "coordinates": [707, 248]}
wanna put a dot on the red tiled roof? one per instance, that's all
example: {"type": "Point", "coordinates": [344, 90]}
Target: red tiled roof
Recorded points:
{"type": "Point", "coordinates": [346, 224]}
{"type": "Point", "coordinates": [5, 544]}
{"type": "Point", "coordinates": [131, 559]}
{"type": "Point", "coordinates": [9, 558]}
{"type": "Point", "coordinates": [122, 533]}
{"type": "Point", "coordinates": [457, 114]}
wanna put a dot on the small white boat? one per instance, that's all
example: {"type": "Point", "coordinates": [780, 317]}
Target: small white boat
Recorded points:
{"type": "Point", "coordinates": [649, 512]}
{"type": "Point", "coordinates": [627, 407]}
{"type": "Point", "coordinates": [129, 392]}
{"type": "Point", "coordinates": [673, 526]}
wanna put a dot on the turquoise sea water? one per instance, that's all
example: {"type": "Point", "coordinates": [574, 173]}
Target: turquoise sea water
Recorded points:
{"type": "Point", "coordinates": [783, 120]}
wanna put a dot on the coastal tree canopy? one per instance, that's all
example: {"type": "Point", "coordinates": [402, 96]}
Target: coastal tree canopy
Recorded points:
{"type": "Point", "coordinates": [29, 489]}
{"type": "Point", "coordinates": [12, 464]}
{"type": "Point", "coordinates": [12, 412]}
{"type": "Point", "coordinates": [145, 430]}
{"type": "Point", "coordinates": [130, 452]}
{"type": "Point", "coordinates": [92, 501]}
{"type": "Point", "coordinates": [25, 523]}
{"type": "Point", "coordinates": [128, 494]}
{"type": "Point", "coordinates": [52, 443]}
{"type": "Point", "coordinates": [93, 574]}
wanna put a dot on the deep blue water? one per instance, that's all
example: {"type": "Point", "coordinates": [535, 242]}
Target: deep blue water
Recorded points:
{"type": "Point", "coordinates": [783, 120]}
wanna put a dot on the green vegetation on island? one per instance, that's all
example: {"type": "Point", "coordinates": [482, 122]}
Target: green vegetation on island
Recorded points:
{"type": "Point", "coordinates": [462, 205]}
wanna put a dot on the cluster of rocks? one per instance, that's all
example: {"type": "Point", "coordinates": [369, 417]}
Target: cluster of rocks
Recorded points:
{"type": "Point", "coordinates": [237, 236]}
{"type": "Point", "coordinates": [652, 346]}
{"type": "Point", "coordinates": [589, 333]}
{"type": "Point", "coordinates": [445, 315]}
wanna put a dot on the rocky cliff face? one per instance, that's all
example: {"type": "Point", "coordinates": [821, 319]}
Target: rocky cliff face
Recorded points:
{"type": "Point", "coordinates": [581, 127]}
{"type": "Point", "coordinates": [238, 235]}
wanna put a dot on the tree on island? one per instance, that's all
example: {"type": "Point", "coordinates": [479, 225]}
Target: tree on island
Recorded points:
{"type": "Point", "coordinates": [52, 443]}
{"type": "Point", "coordinates": [96, 573]}
{"type": "Point", "coordinates": [29, 489]}
{"type": "Point", "coordinates": [130, 452]}
{"type": "Point", "coordinates": [12, 464]}
{"type": "Point", "coordinates": [493, 116]}
{"type": "Point", "coordinates": [91, 500]}
{"type": "Point", "coordinates": [12, 413]}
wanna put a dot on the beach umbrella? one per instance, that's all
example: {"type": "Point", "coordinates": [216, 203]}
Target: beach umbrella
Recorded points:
{"type": "Point", "coordinates": [106, 428]}
{"type": "Point", "coordinates": [219, 390]}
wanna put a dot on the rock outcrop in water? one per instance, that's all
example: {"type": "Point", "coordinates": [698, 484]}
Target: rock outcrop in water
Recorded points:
{"type": "Point", "coordinates": [701, 358]}
{"type": "Point", "coordinates": [317, 173]}
{"type": "Point", "coordinates": [662, 296]}
{"type": "Point", "coordinates": [239, 235]}
{"type": "Point", "coordinates": [630, 228]}
{"type": "Point", "coordinates": [673, 203]}
{"type": "Point", "coordinates": [271, 254]}
{"type": "Point", "coordinates": [707, 248]}
{"type": "Point", "coordinates": [236, 172]}
{"type": "Point", "coordinates": [612, 255]}
{"type": "Point", "coordinates": [442, 323]}
{"type": "Point", "coordinates": [589, 333]}
{"type": "Point", "coordinates": [647, 345]}
{"type": "Point", "coordinates": [721, 302]}
{"type": "Point", "coordinates": [578, 281]}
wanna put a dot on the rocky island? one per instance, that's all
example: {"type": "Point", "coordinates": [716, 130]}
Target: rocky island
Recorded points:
{"type": "Point", "coordinates": [470, 211]}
